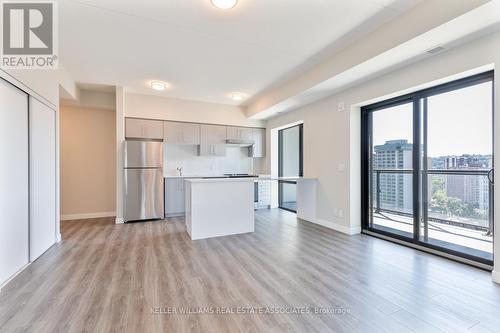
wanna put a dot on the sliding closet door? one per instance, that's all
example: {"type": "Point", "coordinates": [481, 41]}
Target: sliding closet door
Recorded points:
{"type": "Point", "coordinates": [14, 197]}
{"type": "Point", "coordinates": [42, 178]}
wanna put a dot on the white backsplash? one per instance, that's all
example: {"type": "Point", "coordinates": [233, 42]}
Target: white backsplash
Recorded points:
{"type": "Point", "coordinates": [186, 156]}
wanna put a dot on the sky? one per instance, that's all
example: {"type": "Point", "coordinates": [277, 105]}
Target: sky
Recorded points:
{"type": "Point", "coordinates": [459, 122]}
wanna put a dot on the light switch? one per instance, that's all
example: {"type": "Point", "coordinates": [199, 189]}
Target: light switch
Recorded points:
{"type": "Point", "coordinates": [341, 106]}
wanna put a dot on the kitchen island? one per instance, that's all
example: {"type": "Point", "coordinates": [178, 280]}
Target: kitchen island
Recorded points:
{"type": "Point", "coordinates": [219, 206]}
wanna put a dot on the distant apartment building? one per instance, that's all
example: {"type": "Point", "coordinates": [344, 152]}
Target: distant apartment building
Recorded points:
{"type": "Point", "coordinates": [469, 189]}
{"type": "Point", "coordinates": [395, 188]}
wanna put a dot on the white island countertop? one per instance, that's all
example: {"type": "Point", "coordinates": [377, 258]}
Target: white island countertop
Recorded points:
{"type": "Point", "coordinates": [219, 206]}
{"type": "Point", "coordinates": [220, 180]}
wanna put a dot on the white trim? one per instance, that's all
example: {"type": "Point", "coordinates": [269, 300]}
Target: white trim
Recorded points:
{"type": "Point", "coordinates": [119, 220]}
{"type": "Point", "coordinates": [338, 227]}
{"type": "Point", "coordinates": [58, 237]}
{"type": "Point", "coordinates": [3, 284]}
{"type": "Point", "coordinates": [70, 217]}
{"type": "Point", "coordinates": [495, 276]}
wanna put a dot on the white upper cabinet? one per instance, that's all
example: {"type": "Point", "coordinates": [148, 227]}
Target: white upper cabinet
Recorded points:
{"type": "Point", "coordinates": [212, 140]}
{"type": "Point", "coordinates": [239, 133]}
{"type": "Point", "coordinates": [181, 133]}
{"type": "Point", "coordinates": [259, 148]}
{"type": "Point", "coordinates": [212, 134]}
{"type": "Point", "coordinates": [212, 150]}
{"type": "Point", "coordinates": [143, 129]}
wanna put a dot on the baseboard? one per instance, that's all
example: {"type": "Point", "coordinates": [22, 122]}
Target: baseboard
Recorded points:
{"type": "Point", "coordinates": [3, 284]}
{"type": "Point", "coordinates": [338, 227]}
{"type": "Point", "coordinates": [495, 276]}
{"type": "Point", "coordinates": [58, 238]}
{"type": "Point", "coordinates": [70, 217]}
{"type": "Point", "coordinates": [119, 220]}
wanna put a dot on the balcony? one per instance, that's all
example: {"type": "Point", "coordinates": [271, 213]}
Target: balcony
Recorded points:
{"type": "Point", "coordinates": [457, 213]}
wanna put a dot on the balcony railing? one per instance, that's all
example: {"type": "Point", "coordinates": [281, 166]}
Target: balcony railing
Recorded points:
{"type": "Point", "coordinates": [488, 228]}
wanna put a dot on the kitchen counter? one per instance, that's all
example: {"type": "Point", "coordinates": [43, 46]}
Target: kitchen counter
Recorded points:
{"type": "Point", "coordinates": [219, 206]}
{"type": "Point", "coordinates": [192, 176]}
{"type": "Point", "coordinates": [219, 180]}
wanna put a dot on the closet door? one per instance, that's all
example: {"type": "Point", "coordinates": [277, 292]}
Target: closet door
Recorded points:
{"type": "Point", "coordinates": [42, 178]}
{"type": "Point", "coordinates": [14, 197]}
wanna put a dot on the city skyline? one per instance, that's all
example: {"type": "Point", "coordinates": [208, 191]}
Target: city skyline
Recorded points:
{"type": "Point", "coordinates": [450, 122]}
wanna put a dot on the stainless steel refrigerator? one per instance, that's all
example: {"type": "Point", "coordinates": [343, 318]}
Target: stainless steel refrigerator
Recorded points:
{"type": "Point", "coordinates": [143, 183]}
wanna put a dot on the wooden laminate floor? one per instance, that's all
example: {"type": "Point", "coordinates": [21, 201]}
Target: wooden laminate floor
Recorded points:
{"type": "Point", "coordinates": [131, 278]}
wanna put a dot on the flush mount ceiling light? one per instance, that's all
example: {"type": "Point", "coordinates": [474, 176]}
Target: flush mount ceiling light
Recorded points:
{"type": "Point", "coordinates": [158, 85]}
{"type": "Point", "coordinates": [237, 96]}
{"type": "Point", "coordinates": [224, 4]}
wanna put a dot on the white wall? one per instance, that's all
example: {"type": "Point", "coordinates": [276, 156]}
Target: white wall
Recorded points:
{"type": "Point", "coordinates": [158, 107]}
{"type": "Point", "coordinates": [332, 138]}
{"type": "Point", "coordinates": [186, 156]}
{"type": "Point", "coordinates": [88, 162]}
{"type": "Point", "coordinates": [40, 83]}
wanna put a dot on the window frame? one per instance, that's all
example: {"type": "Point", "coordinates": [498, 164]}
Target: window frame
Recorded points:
{"type": "Point", "coordinates": [366, 148]}
{"type": "Point", "coordinates": [280, 162]}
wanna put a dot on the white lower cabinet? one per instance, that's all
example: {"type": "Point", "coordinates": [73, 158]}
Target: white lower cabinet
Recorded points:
{"type": "Point", "coordinates": [174, 197]}
{"type": "Point", "coordinates": [14, 181]}
{"type": "Point", "coordinates": [264, 189]}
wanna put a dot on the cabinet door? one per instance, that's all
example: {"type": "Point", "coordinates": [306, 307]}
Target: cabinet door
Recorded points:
{"type": "Point", "coordinates": [212, 134]}
{"type": "Point", "coordinates": [239, 133]}
{"type": "Point", "coordinates": [259, 148]}
{"type": "Point", "coordinates": [133, 128]}
{"type": "Point", "coordinates": [143, 129]}
{"type": "Point", "coordinates": [190, 133]}
{"type": "Point", "coordinates": [152, 129]}
{"type": "Point", "coordinates": [212, 150]}
{"type": "Point", "coordinates": [246, 133]}
{"type": "Point", "coordinates": [232, 133]}
{"type": "Point", "coordinates": [174, 196]}
{"type": "Point", "coordinates": [171, 132]}
{"type": "Point", "coordinates": [14, 195]}
{"type": "Point", "coordinates": [42, 178]}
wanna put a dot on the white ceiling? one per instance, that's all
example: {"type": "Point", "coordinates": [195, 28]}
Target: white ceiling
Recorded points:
{"type": "Point", "coordinates": [205, 53]}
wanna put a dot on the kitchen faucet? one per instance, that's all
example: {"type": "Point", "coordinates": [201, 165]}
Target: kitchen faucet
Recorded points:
{"type": "Point", "coordinates": [180, 170]}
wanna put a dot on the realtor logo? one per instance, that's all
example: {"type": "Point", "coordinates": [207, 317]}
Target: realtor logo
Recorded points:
{"type": "Point", "coordinates": [29, 34]}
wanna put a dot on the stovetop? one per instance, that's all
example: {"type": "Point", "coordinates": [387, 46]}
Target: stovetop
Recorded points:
{"type": "Point", "coordinates": [239, 175]}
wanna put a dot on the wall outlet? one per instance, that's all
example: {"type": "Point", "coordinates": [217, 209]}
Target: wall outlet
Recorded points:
{"type": "Point", "coordinates": [341, 213]}
{"type": "Point", "coordinates": [335, 212]}
{"type": "Point", "coordinates": [341, 167]}
{"type": "Point", "coordinates": [341, 106]}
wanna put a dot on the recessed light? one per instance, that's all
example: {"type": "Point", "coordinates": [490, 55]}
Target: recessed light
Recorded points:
{"type": "Point", "coordinates": [158, 85]}
{"type": "Point", "coordinates": [224, 4]}
{"type": "Point", "coordinates": [237, 96]}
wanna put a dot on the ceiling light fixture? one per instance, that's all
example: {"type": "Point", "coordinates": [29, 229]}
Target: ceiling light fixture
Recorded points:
{"type": "Point", "coordinates": [224, 4]}
{"type": "Point", "coordinates": [158, 85]}
{"type": "Point", "coordinates": [237, 96]}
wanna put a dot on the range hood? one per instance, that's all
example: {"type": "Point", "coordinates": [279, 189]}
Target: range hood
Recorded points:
{"type": "Point", "coordinates": [240, 143]}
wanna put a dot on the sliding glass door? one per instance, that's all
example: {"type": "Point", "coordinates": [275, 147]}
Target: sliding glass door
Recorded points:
{"type": "Point", "coordinates": [290, 161]}
{"type": "Point", "coordinates": [392, 169]}
{"type": "Point", "coordinates": [427, 163]}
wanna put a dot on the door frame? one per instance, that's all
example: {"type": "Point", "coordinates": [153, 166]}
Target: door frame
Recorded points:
{"type": "Point", "coordinates": [366, 148]}
{"type": "Point", "coordinates": [280, 162]}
